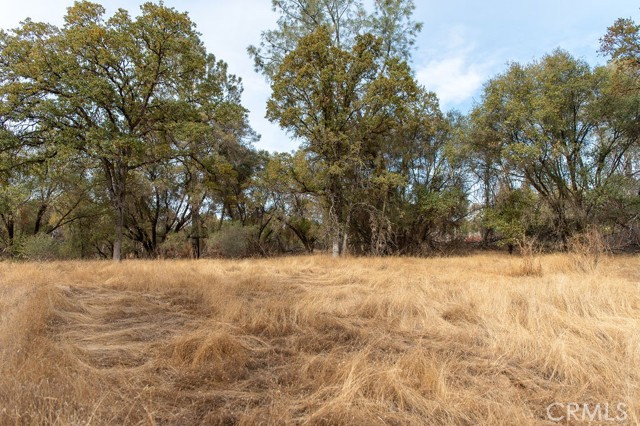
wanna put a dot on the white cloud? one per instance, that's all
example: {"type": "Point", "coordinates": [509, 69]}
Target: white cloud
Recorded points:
{"type": "Point", "coordinates": [454, 79]}
{"type": "Point", "coordinates": [454, 73]}
{"type": "Point", "coordinates": [228, 28]}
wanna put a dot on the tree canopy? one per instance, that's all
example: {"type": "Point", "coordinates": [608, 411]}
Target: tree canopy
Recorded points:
{"type": "Point", "coordinates": [123, 136]}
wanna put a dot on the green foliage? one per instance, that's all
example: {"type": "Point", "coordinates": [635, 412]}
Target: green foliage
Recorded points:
{"type": "Point", "coordinates": [176, 245]}
{"type": "Point", "coordinates": [234, 241]}
{"type": "Point", "coordinates": [444, 208]}
{"type": "Point", "coordinates": [556, 125]}
{"type": "Point", "coordinates": [120, 135]}
{"type": "Point", "coordinates": [287, 188]}
{"type": "Point", "coordinates": [344, 20]}
{"type": "Point", "coordinates": [39, 247]}
{"type": "Point", "coordinates": [123, 92]}
{"type": "Point", "coordinates": [342, 104]}
{"type": "Point", "coordinates": [622, 42]}
{"type": "Point", "coordinates": [513, 215]}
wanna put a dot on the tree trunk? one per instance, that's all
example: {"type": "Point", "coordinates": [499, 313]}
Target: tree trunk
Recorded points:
{"type": "Point", "coordinates": [39, 217]}
{"type": "Point", "coordinates": [335, 217]}
{"type": "Point", "coordinates": [336, 237]}
{"type": "Point", "coordinates": [486, 178]}
{"type": "Point", "coordinates": [196, 231]}
{"type": "Point", "coordinates": [345, 238]}
{"type": "Point", "coordinates": [10, 229]}
{"type": "Point", "coordinates": [117, 245]}
{"type": "Point", "coordinates": [195, 245]}
{"type": "Point", "coordinates": [335, 251]}
{"type": "Point", "coordinates": [345, 234]}
{"type": "Point", "coordinates": [119, 185]}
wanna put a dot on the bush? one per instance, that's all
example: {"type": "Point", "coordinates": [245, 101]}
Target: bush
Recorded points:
{"type": "Point", "coordinates": [39, 247]}
{"type": "Point", "coordinates": [176, 246]}
{"type": "Point", "coordinates": [529, 249]}
{"type": "Point", "coordinates": [234, 241]}
{"type": "Point", "coordinates": [512, 216]}
{"type": "Point", "coordinates": [588, 250]}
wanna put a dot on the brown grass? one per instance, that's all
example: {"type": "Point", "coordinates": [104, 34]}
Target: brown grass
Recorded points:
{"type": "Point", "coordinates": [315, 340]}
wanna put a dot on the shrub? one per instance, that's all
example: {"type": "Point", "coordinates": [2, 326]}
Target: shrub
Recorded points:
{"type": "Point", "coordinates": [176, 245]}
{"type": "Point", "coordinates": [529, 249]}
{"type": "Point", "coordinates": [234, 241]}
{"type": "Point", "coordinates": [588, 249]}
{"type": "Point", "coordinates": [39, 247]}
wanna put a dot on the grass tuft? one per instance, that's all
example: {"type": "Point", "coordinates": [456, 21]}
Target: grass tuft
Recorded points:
{"type": "Point", "coordinates": [317, 340]}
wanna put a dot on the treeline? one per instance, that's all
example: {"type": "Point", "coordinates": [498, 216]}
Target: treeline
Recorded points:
{"type": "Point", "coordinates": [122, 136]}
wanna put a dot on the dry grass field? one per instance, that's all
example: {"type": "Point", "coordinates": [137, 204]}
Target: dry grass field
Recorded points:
{"type": "Point", "coordinates": [315, 340]}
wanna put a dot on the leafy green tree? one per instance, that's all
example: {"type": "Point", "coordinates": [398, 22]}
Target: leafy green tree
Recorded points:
{"type": "Point", "coordinates": [557, 127]}
{"type": "Point", "coordinates": [622, 42]}
{"type": "Point", "coordinates": [513, 216]}
{"type": "Point", "coordinates": [340, 103]}
{"type": "Point", "coordinates": [343, 19]}
{"type": "Point", "coordinates": [285, 191]}
{"type": "Point", "coordinates": [118, 88]}
{"type": "Point", "coordinates": [431, 203]}
{"type": "Point", "coordinates": [391, 20]}
{"type": "Point", "coordinates": [43, 195]}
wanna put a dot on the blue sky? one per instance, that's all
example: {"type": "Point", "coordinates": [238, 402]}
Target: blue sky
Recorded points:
{"type": "Point", "coordinates": [465, 43]}
{"type": "Point", "coordinates": [462, 44]}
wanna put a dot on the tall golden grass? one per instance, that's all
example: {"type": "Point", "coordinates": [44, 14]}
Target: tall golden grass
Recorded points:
{"type": "Point", "coordinates": [316, 340]}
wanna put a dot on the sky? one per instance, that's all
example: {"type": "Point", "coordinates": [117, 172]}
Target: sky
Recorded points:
{"type": "Point", "coordinates": [463, 43]}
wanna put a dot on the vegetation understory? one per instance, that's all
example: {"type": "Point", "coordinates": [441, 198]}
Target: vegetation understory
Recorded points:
{"type": "Point", "coordinates": [317, 340]}
{"type": "Point", "coordinates": [123, 136]}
